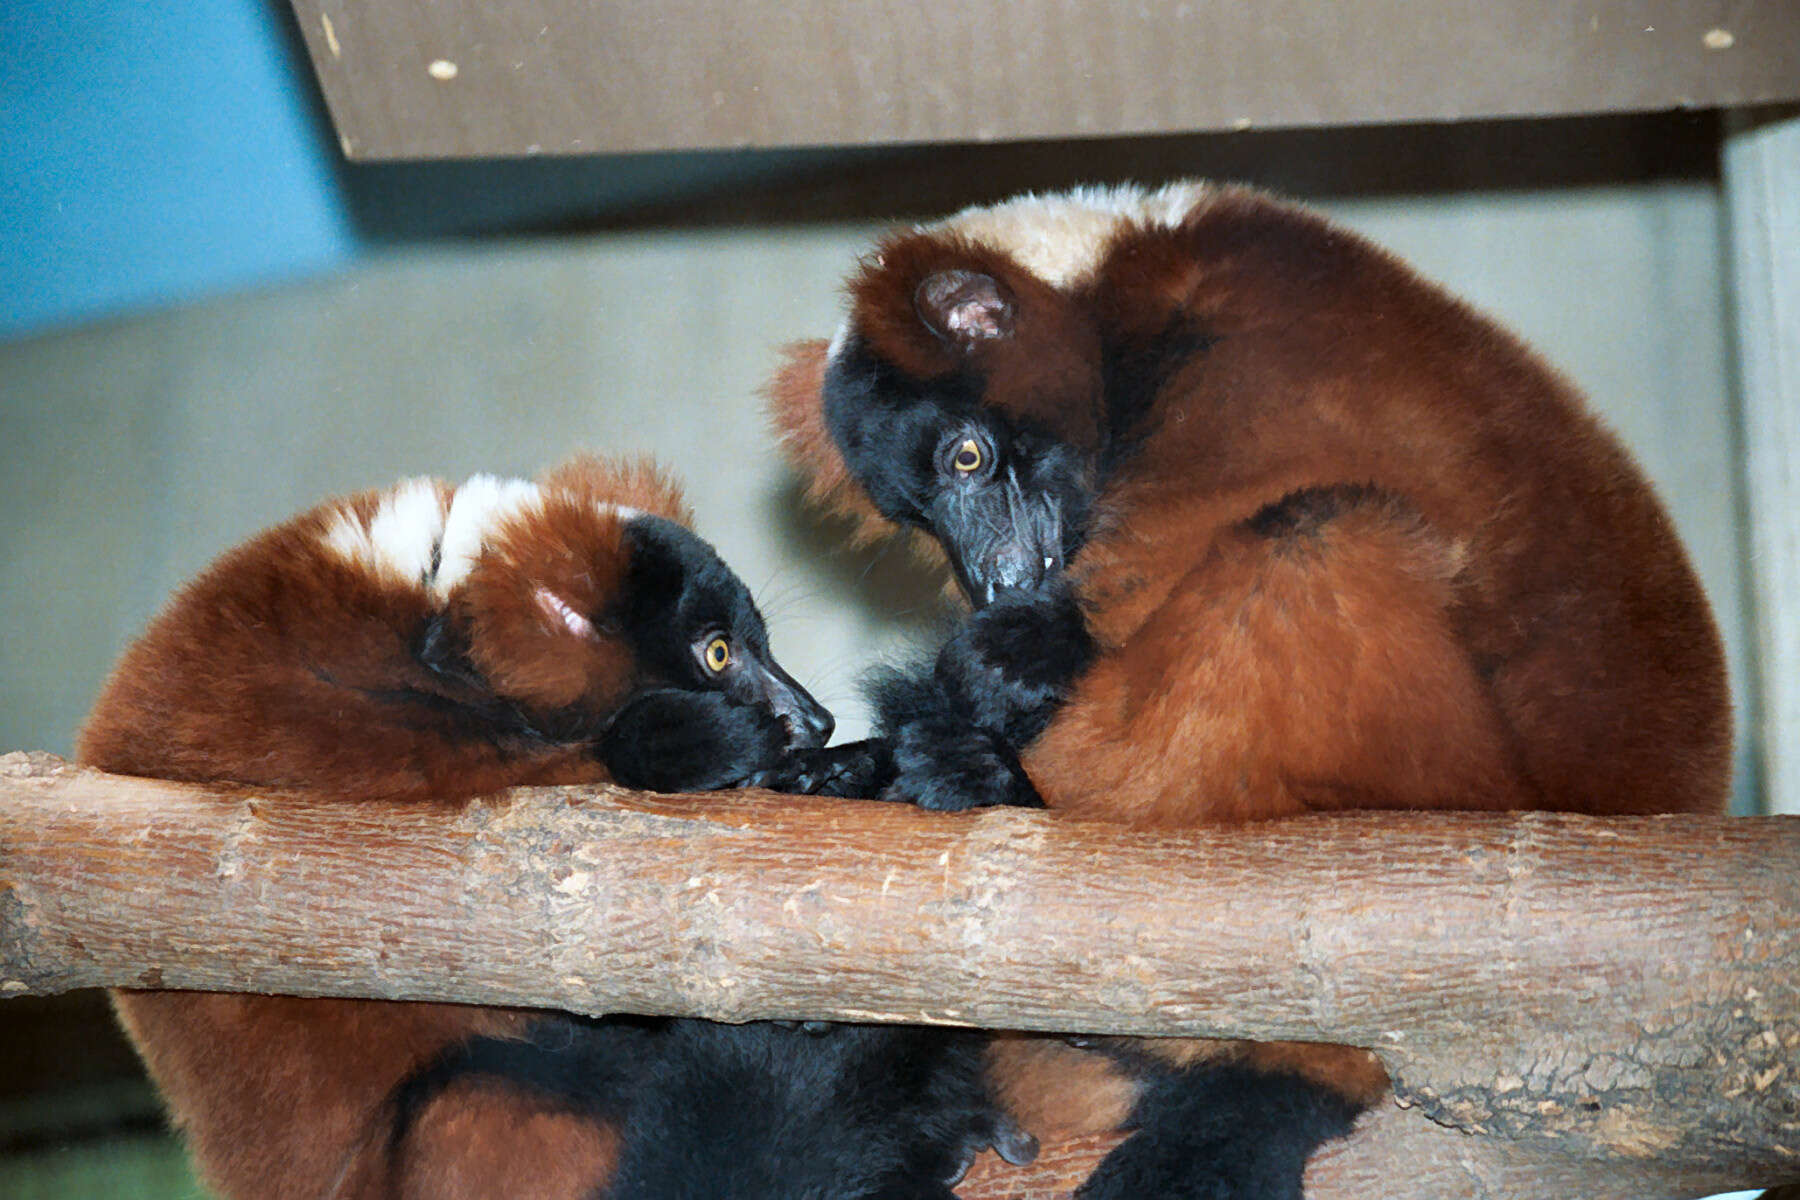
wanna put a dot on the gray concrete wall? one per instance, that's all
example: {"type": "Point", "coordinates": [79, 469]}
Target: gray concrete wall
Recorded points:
{"type": "Point", "coordinates": [132, 453]}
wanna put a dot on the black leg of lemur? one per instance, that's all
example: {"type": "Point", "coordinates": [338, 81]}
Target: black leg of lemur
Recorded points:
{"type": "Point", "coordinates": [1221, 1132]}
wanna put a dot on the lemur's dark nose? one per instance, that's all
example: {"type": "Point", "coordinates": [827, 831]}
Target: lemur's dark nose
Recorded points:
{"type": "Point", "coordinates": [1000, 539]}
{"type": "Point", "coordinates": [808, 724]}
{"type": "Point", "coordinates": [1017, 567]}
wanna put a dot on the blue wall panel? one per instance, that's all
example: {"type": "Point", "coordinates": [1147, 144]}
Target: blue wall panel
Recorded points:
{"type": "Point", "coordinates": [151, 154]}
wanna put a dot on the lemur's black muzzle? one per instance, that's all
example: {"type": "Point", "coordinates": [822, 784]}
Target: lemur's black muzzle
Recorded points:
{"type": "Point", "coordinates": [999, 539]}
{"type": "Point", "coordinates": [807, 721]}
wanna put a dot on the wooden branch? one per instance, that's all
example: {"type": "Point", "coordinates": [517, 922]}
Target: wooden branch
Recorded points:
{"type": "Point", "coordinates": [1602, 1007]}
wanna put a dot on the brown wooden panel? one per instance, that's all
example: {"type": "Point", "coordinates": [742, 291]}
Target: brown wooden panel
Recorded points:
{"type": "Point", "coordinates": [462, 78]}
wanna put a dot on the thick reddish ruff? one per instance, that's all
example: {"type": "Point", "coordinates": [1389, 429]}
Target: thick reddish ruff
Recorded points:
{"type": "Point", "coordinates": [1503, 619]}
{"type": "Point", "coordinates": [225, 687]}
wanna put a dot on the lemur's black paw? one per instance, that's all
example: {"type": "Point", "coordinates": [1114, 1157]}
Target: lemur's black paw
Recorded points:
{"type": "Point", "coordinates": [947, 767]}
{"type": "Point", "coordinates": [854, 771]}
{"type": "Point", "coordinates": [1012, 663]}
{"type": "Point", "coordinates": [1012, 1143]}
{"type": "Point", "coordinates": [948, 1137]}
{"type": "Point", "coordinates": [994, 1131]}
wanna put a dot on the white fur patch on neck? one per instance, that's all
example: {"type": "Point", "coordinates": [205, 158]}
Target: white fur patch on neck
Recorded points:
{"type": "Point", "coordinates": [479, 507]}
{"type": "Point", "coordinates": [838, 341]}
{"type": "Point", "coordinates": [418, 538]}
{"type": "Point", "coordinates": [1061, 238]}
{"type": "Point", "coordinates": [624, 512]}
{"type": "Point", "coordinates": [400, 538]}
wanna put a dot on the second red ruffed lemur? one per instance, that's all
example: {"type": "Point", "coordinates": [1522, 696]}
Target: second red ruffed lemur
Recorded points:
{"type": "Point", "coordinates": [429, 644]}
{"type": "Point", "coordinates": [1256, 522]}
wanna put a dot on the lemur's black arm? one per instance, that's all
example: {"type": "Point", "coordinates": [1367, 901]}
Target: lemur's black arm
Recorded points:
{"type": "Point", "coordinates": [950, 734]}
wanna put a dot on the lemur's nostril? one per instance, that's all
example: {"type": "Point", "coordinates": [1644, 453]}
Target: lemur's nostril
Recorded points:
{"type": "Point", "coordinates": [807, 726]}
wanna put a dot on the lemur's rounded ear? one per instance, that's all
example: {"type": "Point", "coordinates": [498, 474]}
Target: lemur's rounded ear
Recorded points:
{"type": "Point", "coordinates": [560, 614]}
{"type": "Point", "coordinates": [964, 308]}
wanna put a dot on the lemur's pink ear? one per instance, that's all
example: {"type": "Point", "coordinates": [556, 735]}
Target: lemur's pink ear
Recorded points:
{"type": "Point", "coordinates": [796, 397]}
{"type": "Point", "coordinates": [560, 614]}
{"type": "Point", "coordinates": [964, 308]}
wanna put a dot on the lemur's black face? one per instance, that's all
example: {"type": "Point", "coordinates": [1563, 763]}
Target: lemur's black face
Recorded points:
{"type": "Point", "coordinates": [655, 658]}
{"type": "Point", "coordinates": [1009, 502]}
{"type": "Point", "coordinates": [693, 627]}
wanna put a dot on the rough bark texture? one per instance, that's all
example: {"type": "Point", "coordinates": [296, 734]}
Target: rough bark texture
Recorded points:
{"type": "Point", "coordinates": [1598, 1007]}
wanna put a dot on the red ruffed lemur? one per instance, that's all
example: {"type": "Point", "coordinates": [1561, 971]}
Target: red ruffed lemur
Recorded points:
{"type": "Point", "coordinates": [1254, 522]}
{"type": "Point", "coordinates": [431, 644]}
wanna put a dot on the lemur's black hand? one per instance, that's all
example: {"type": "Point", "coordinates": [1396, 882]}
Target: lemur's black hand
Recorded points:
{"type": "Point", "coordinates": [1012, 663]}
{"type": "Point", "coordinates": [957, 731]}
{"type": "Point", "coordinates": [948, 764]}
{"type": "Point", "coordinates": [853, 771]}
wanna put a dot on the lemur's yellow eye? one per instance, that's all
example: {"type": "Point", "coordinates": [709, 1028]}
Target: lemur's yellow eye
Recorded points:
{"type": "Point", "coordinates": [967, 457]}
{"type": "Point", "coordinates": [717, 655]}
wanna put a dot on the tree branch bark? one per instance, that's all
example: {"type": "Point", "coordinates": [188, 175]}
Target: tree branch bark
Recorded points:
{"type": "Point", "coordinates": [1567, 1005]}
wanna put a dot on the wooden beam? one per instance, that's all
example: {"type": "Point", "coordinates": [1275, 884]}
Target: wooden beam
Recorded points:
{"type": "Point", "coordinates": [470, 78]}
{"type": "Point", "coordinates": [1762, 192]}
{"type": "Point", "coordinates": [1617, 998]}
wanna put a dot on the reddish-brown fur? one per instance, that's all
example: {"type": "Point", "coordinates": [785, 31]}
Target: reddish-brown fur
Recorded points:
{"type": "Point", "coordinates": [277, 1095]}
{"type": "Point", "coordinates": [476, 1145]}
{"type": "Point", "coordinates": [794, 395]}
{"type": "Point", "coordinates": [1507, 622]}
